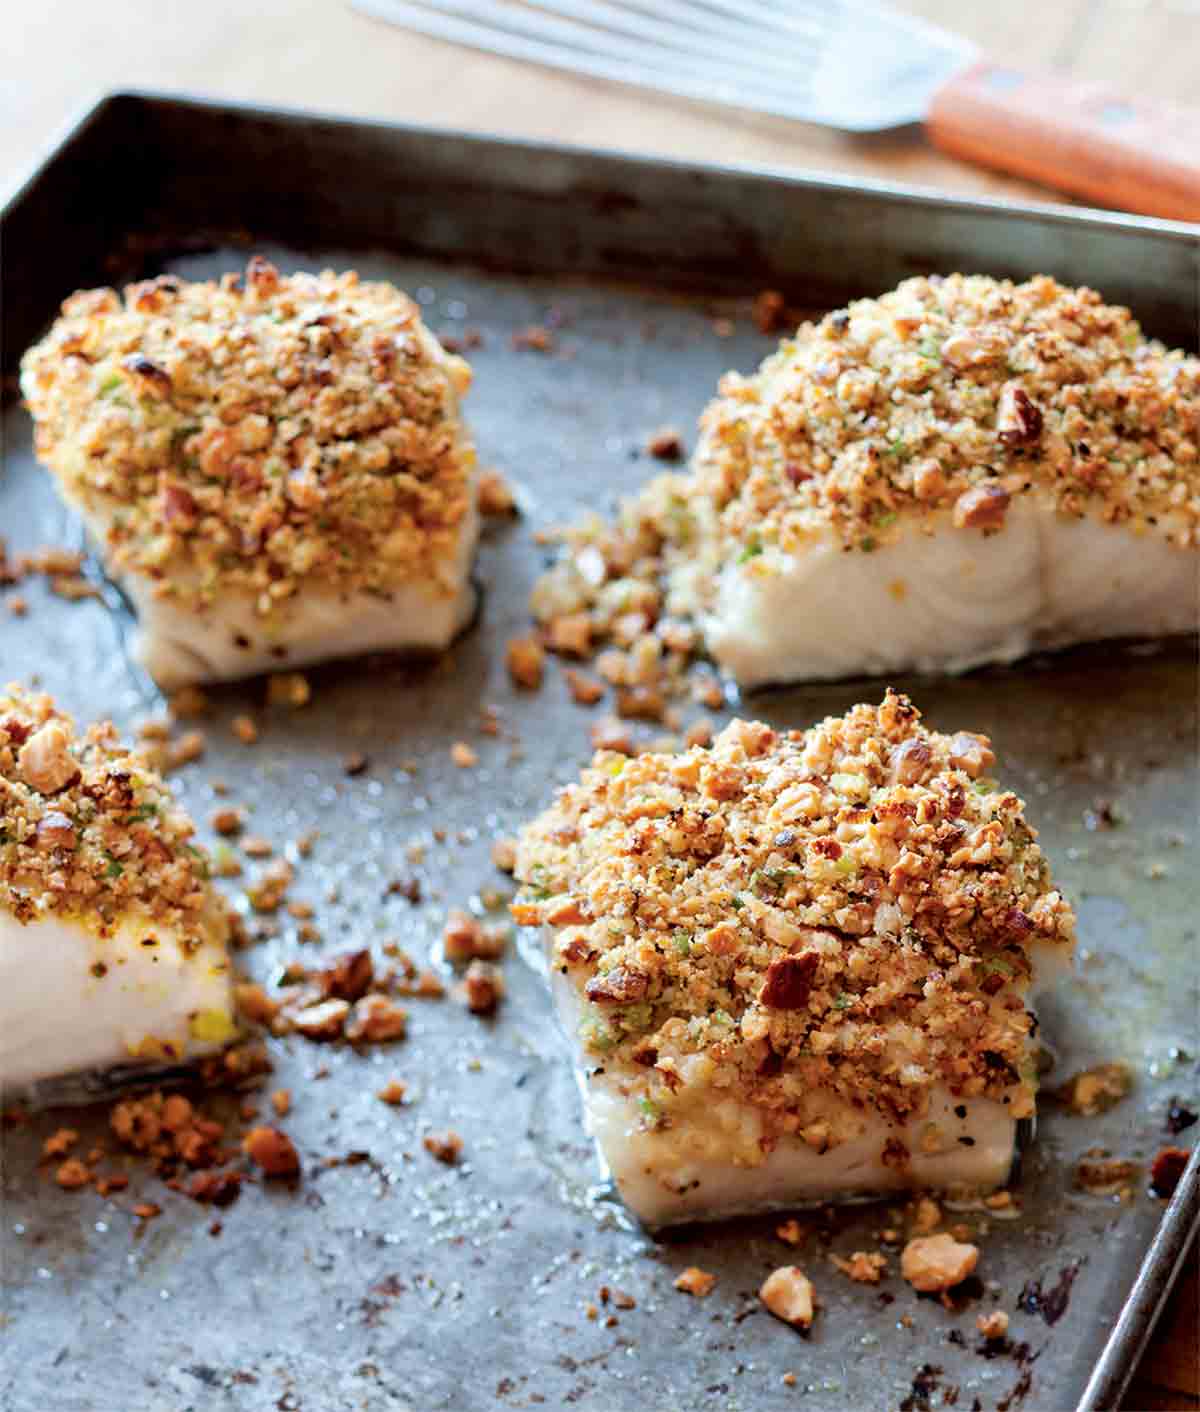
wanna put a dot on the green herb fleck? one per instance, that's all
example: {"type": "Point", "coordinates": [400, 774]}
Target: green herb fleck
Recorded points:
{"type": "Point", "coordinates": [110, 385]}
{"type": "Point", "coordinates": [683, 942]}
{"type": "Point", "coordinates": [843, 1001]}
{"type": "Point", "coordinates": [650, 1111]}
{"type": "Point", "coordinates": [751, 551]}
{"type": "Point", "coordinates": [114, 869]}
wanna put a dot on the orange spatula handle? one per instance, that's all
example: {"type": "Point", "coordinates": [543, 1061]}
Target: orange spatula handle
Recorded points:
{"type": "Point", "coordinates": [1086, 139]}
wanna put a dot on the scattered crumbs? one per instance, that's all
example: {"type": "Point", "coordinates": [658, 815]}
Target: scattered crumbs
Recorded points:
{"type": "Point", "coordinates": [585, 690]}
{"type": "Point", "coordinates": [994, 1325]}
{"type": "Point", "coordinates": [1095, 1090]}
{"type": "Point", "coordinates": [272, 1151]}
{"type": "Point", "coordinates": [226, 821]}
{"type": "Point", "coordinates": [482, 988]}
{"type": "Point", "coordinates": [463, 756]}
{"type": "Point", "coordinates": [355, 764]}
{"type": "Point", "coordinates": [244, 729]}
{"type": "Point", "coordinates": [189, 746]}
{"type": "Point", "coordinates": [666, 444]}
{"type": "Point", "coordinates": [723, 328]}
{"type": "Point", "coordinates": [494, 494]}
{"type": "Point", "coordinates": [937, 1262]}
{"type": "Point", "coordinates": [254, 846]}
{"type": "Point", "coordinates": [281, 1101]}
{"type": "Point", "coordinates": [289, 689]}
{"type": "Point", "coordinates": [147, 1210]}
{"type": "Point", "coordinates": [1098, 1171]}
{"type": "Point", "coordinates": [526, 659]}
{"type": "Point", "coordinates": [862, 1266]}
{"type": "Point", "coordinates": [788, 1293]}
{"type": "Point", "coordinates": [59, 1143]}
{"type": "Point", "coordinates": [446, 1147]}
{"type": "Point", "coordinates": [393, 1092]}
{"type": "Point", "coordinates": [696, 1282]}
{"type": "Point", "coordinates": [72, 1174]}
{"type": "Point", "coordinates": [534, 339]}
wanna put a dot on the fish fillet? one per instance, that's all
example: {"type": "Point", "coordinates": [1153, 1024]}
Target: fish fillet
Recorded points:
{"type": "Point", "coordinates": [796, 968]}
{"type": "Point", "coordinates": [961, 471]}
{"type": "Point", "coordinates": [114, 946]}
{"type": "Point", "coordinates": [275, 469]}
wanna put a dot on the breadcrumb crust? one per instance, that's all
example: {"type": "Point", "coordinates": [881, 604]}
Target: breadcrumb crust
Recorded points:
{"type": "Point", "coordinates": [849, 909]}
{"type": "Point", "coordinates": [258, 434]}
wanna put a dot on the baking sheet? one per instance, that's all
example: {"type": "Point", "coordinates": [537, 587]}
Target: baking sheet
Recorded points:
{"type": "Point", "coordinates": [396, 1283]}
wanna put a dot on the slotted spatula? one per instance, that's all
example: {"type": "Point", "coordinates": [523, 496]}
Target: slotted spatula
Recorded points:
{"type": "Point", "coordinates": [856, 66]}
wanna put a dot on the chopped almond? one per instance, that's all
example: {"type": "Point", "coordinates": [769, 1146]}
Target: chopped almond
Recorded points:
{"type": "Point", "coordinates": [72, 1174]}
{"type": "Point", "coordinates": [289, 689]}
{"type": "Point", "coordinates": [571, 634]}
{"type": "Point", "coordinates": [273, 1151]}
{"type": "Point", "coordinates": [348, 976]}
{"type": "Point", "coordinates": [863, 1267]}
{"type": "Point", "coordinates": [323, 1020]}
{"type": "Point", "coordinates": [244, 729]}
{"type": "Point", "coordinates": [585, 690]}
{"type": "Point", "coordinates": [58, 1144]}
{"type": "Point", "coordinates": [376, 1020]}
{"type": "Point", "coordinates": [493, 493]}
{"type": "Point", "coordinates": [254, 1002]}
{"type": "Point", "coordinates": [446, 1147]}
{"type": "Point", "coordinates": [254, 846]}
{"type": "Point", "coordinates": [993, 1325]}
{"type": "Point", "coordinates": [666, 444]}
{"type": "Point", "coordinates": [696, 1281]}
{"type": "Point", "coordinates": [526, 659]}
{"type": "Point", "coordinates": [788, 1294]}
{"type": "Point", "coordinates": [937, 1262]}
{"type": "Point", "coordinates": [482, 987]}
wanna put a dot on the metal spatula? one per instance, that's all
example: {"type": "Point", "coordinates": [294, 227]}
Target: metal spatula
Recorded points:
{"type": "Point", "coordinates": [855, 66]}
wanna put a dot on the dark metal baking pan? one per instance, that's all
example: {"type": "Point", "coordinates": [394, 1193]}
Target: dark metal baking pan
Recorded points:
{"type": "Point", "coordinates": [392, 1282]}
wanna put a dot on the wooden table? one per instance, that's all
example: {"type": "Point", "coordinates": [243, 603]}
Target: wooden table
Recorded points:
{"type": "Point", "coordinates": [319, 54]}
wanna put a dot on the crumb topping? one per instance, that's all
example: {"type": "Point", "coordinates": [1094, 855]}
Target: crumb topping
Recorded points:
{"type": "Point", "coordinates": [258, 434]}
{"type": "Point", "coordinates": [89, 831]}
{"type": "Point", "coordinates": [848, 910]}
{"type": "Point", "coordinates": [957, 394]}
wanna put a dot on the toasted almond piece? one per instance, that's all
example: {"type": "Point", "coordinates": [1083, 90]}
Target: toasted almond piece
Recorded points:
{"type": "Point", "coordinates": [788, 1294]}
{"type": "Point", "coordinates": [937, 1262]}
{"type": "Point", "coordinates": [273, 1151]}
{"type": "Point", "coordinates": [695, 1281]}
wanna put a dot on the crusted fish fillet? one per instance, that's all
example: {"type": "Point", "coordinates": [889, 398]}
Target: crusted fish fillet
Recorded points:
{"type": "Point", "coordinates": [958, 472]}
{"type": "Point", "coordinates": [113, 944]}
{"type": "Point", "coordinates": [275, 469]}
{"type": "Point", "coordinates": [797, 966]}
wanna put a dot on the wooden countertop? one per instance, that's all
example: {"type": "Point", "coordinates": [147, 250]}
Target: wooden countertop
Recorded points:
{"type": "Point", "coordinates": [320, 54]}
